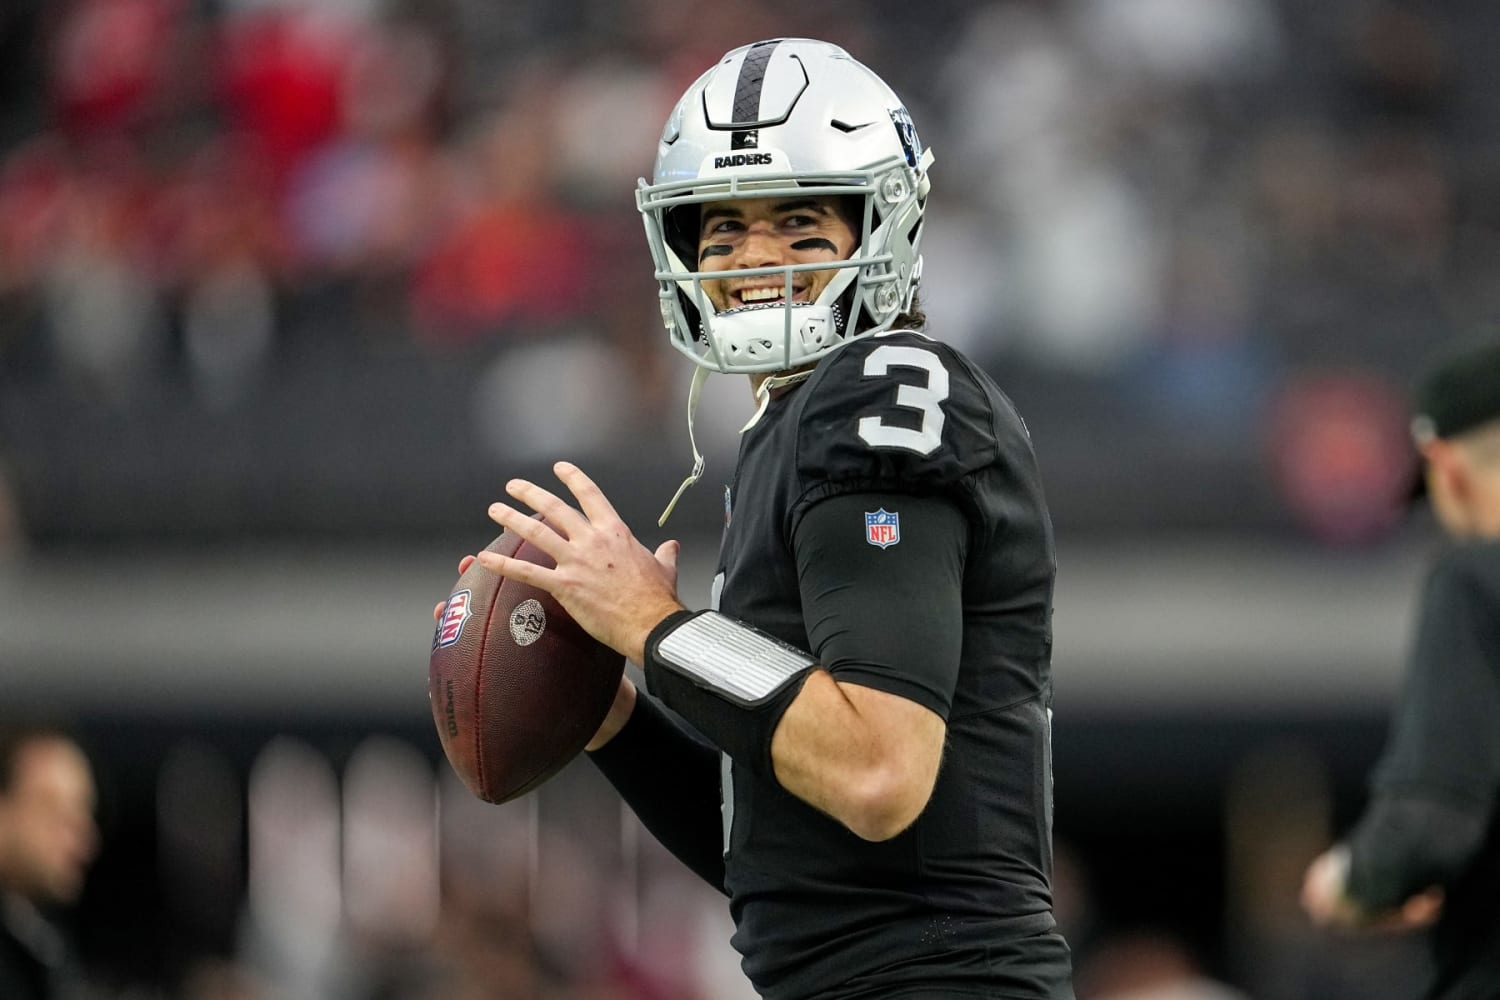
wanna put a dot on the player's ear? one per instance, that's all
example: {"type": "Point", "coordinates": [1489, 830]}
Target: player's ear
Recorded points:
{"type": "Point", "coordinates": [1450, 477]}
{"type": "Point", "coordinates": [682, 232]}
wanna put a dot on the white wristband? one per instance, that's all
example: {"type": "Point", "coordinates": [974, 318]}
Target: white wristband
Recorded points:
{"type": "Point", "coordinates": [733, 659]}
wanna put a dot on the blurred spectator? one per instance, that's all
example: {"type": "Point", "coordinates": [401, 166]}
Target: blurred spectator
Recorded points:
{"type": "Point", "coordinates": [1077, 244]}
{"type": "Point", "coordinates": [1147, 966]}
{"type": "Point", "coordinates": [217, 252]}
{"type": "Point", "coordinates": [113, 65]}
{"type": "Point", "coordinates": [282, 73]}
{"type": "Point", "coordinates": [221, 979]}
{"type": "Point", "coordinates": [515, 256]}
{"type": "Point", "coordinates": [102, 315]}
{"type": "Point", "coordinates": [1188, 42]}
{"type": "Point", "coordinates": [367, 202]}
{"type": "Point", "coordinates": [47, 840]}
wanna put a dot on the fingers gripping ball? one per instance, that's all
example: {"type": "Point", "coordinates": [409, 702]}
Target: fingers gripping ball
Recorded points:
{"type": "Point", "coordinates": [517, 687]}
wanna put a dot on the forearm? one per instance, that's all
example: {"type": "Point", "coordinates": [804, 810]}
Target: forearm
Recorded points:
{"type": "Point", "coordinates": [866, 757]}
{"type": "Point", "coordinates": [669, 776]}
{"type": "Point", "coordinates": [833, 751]}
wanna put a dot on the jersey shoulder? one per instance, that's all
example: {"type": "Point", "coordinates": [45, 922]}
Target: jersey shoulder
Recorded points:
{"type": "Point", "coordinates": [901, 410]}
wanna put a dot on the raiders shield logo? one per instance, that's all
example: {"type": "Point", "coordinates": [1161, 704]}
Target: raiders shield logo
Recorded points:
{"type": "Point", "coordinates": [907, 133]}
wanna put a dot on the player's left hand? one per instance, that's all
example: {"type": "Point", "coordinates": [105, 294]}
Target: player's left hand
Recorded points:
{"type": "Point", "coordinates": [1327, 903]}
{"type": "Point", "coordinates": [463, 567]}
{"type": "Point", "coordinates": [610, 583]}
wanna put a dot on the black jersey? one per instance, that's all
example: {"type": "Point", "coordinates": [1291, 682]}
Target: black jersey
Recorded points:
{"type": "Point", "coordinates": [1435, 816]}
{"type": "Point", "coordinates": [886, 515]}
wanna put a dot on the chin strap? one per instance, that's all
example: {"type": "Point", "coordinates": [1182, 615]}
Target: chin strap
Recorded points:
{"type": "Point", "coordinates": [768, 386]}
{"type": "Point", "coordinates": [695, 391]}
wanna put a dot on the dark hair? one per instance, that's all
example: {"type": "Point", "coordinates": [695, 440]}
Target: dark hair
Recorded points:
{"type": "Point", "coordinates": [915, 318]}
{"type": "Point", "coordinates": [15, 737]}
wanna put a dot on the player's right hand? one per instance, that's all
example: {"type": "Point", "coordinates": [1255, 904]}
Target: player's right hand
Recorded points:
{"type": "Point", "coordinates": [463, 567]}
{"type": "Point", "coordinates": [1327, 903]}
{"type": "Point", "coordinates": [614, 587]}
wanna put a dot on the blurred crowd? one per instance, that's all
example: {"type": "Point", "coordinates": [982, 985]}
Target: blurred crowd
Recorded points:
{"type": "Point", "coordinates": [207, 188]}
{"type": "Point", "coordinates": [1189, 236]}
{"type": "Point", "coordinates": [1241, 222]}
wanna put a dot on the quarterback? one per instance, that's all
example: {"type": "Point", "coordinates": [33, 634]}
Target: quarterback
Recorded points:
{"type": "Point", "coordinates": [852, 741]}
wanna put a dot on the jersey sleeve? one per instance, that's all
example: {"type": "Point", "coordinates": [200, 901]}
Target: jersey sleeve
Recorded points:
{"type": "Point", "coordinates": [1444, 739]}
{"type": "Point", "coordinates": [899, 412]}
{"type": "Point", "coordinates": [1405, 843]}
{"type": "Point", "coordinates": [1437, 780]}
{"type": "Point", "coordinates": [886, 613]}
{"type": "Point", "coordinates": [682, 811]}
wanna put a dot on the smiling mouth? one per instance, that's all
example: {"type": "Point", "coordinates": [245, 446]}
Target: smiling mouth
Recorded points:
{"type": "Point", "coordinates": [765, 295]}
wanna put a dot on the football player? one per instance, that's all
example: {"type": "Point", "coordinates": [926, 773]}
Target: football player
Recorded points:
{"type": "Point", "coordinates": [853, 741]}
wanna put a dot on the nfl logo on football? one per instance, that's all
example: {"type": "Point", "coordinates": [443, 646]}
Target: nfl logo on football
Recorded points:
{"type": "Point", "coordinates": [451, 624]}
{"type": "Point", "coordinates": [882, 528]}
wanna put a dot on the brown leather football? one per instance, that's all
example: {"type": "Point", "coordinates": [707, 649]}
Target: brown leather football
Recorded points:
{"type": "Point", "coordinates": [516, 686]}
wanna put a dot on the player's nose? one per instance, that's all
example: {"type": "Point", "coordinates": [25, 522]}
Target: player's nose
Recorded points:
{"type": "Point", "coordinates": [761, 247]}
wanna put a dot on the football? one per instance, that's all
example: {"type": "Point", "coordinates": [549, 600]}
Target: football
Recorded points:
{"type": "Point", "coordinates": [516, 686]}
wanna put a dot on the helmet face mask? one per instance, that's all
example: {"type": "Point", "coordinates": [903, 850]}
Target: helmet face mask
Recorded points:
{"type": "Point", "coordinates": [784, 119]}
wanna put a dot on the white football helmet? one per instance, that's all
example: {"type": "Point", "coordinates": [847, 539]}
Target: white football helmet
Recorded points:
{"type": "Point", "coordinates": [774, 119]}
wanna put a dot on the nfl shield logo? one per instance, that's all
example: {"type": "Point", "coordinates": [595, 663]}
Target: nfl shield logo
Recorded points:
{"type": "Point", "coordinates": [451, 622]}
{"type": "Point", "coordinates": [882, 528]}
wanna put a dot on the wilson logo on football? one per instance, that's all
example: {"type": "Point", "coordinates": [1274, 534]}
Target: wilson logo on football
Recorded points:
{"type": "Point", "coordinates": [451, 622]}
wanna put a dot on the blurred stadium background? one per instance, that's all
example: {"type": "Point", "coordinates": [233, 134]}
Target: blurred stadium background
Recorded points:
{"type": "Point", "coordinates": [288, 288]}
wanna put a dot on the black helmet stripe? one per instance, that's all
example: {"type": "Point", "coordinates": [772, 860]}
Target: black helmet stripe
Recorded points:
{"type": "Point", "coordinates": [747, 93]}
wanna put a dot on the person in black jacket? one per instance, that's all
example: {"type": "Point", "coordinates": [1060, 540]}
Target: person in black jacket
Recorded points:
{"type": "Point", "coordinates": [48, 838]}
{"type": "Point", "coordinates": [1427, 849]}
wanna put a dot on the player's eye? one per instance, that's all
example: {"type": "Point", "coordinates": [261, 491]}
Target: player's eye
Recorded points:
{"type": "Point", "coordinates": [722, 225]}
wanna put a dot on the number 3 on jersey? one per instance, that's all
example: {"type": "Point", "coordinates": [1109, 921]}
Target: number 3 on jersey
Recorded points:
{"type": "Point", "coordinates": [926, 400]}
